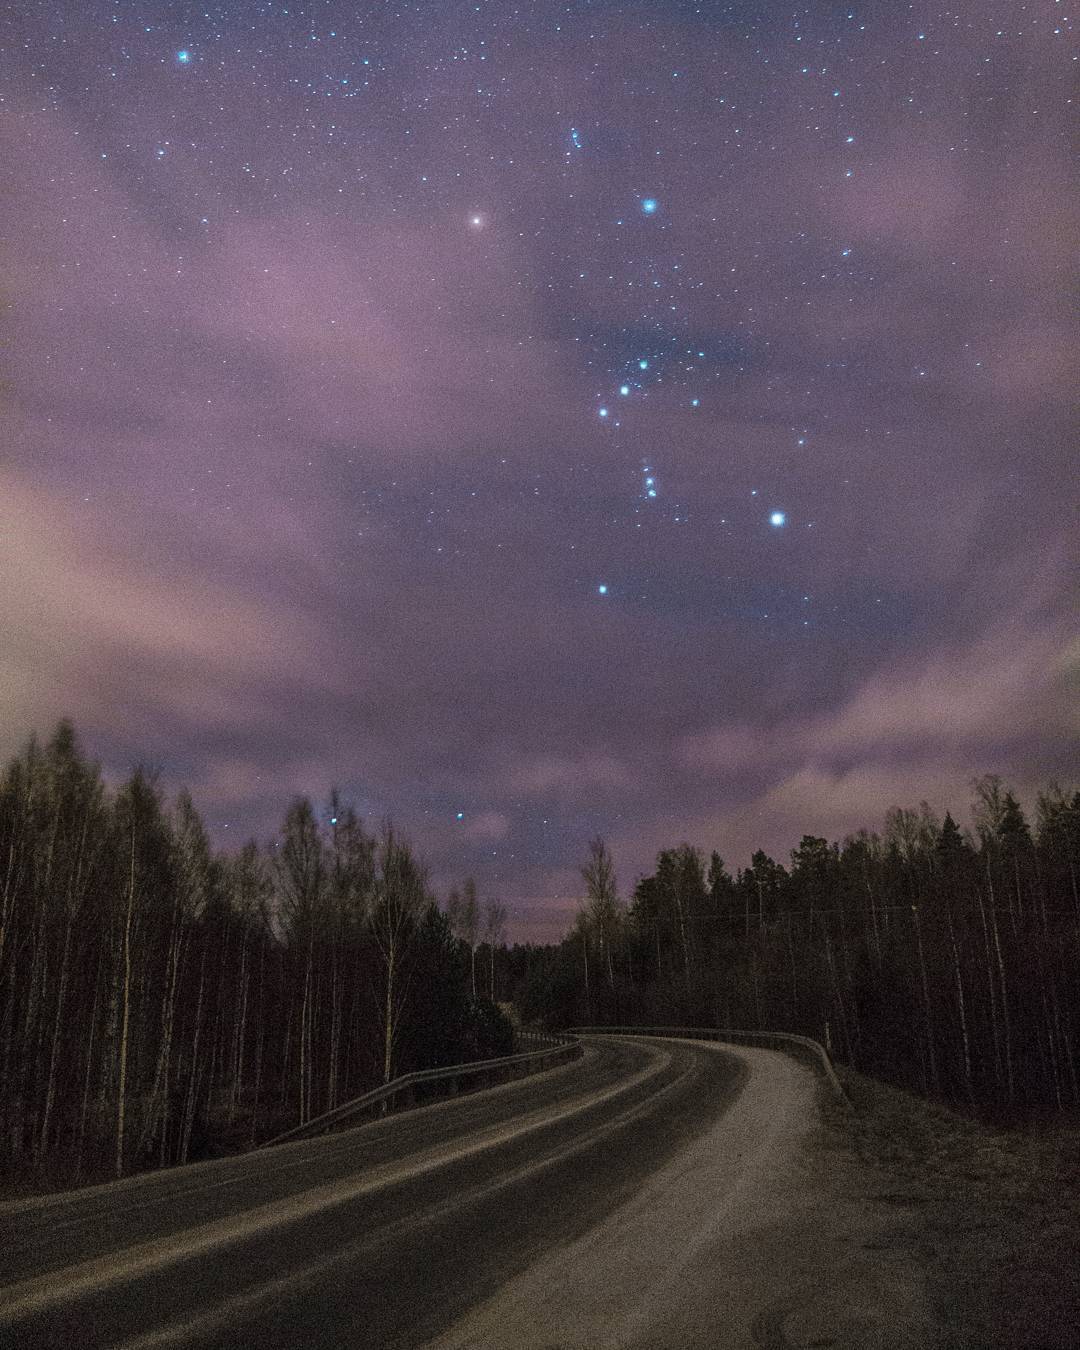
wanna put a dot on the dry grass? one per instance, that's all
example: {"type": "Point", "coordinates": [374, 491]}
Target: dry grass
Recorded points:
{"type": "Point", "coordinates": [995, 1214]}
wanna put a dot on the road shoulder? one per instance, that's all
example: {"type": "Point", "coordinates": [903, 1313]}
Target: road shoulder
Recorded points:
{"type": "Point", "coordinates": [753, 1234]}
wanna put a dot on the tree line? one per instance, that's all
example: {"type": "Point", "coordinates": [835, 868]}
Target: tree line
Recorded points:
{"type": "Point", "coordinates": [159, 1002]}
{"type": "Point", "coordinates": [944, 960]}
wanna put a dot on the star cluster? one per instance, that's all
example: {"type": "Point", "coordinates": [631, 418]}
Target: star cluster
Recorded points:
{"type": "Point", "coordinates": [542, 420]}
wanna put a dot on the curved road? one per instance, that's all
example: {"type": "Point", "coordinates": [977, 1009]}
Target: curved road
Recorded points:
{"type": "Point", "coordinates": [653, 1193]}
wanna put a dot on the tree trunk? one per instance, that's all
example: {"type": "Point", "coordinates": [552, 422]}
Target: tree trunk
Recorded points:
{"type": "Point", "coordinates": [88, 1076]}
{"type": "Point", "coordinates": [121, 1100]}
{"type": "Point", "coordinates": [239, 1033]}
{"type": "Point", "coordinates": [841, 1010]}
{"type": "Point", "coordinates": [159, 1093]}
{"type": "Point", "coordinates": [961, 1004]}
{"type": "Point", "coordinates": [50, 1084]}
{"type": "Point", "coordinates": [1004, 990]}
{"type": "Point", "coordinates": [995, 1038]}
{"type": "Point", "coordinates": [335, 1032]}
{"type": "Point", "coordinates": [683, 939]}
{"type": "Point", "coordinates": [794, 978]}
{"type": "Point", "coordinates": [260, 1027]}
{"type": "Point", "coordinates": [191, 1100]}
{"type": "Point", "coordinates": [388, 1041]}
{"type": "Point", "coordinates": [876, 943]}
{"type": "Point", "coordinates": [931, 1054]}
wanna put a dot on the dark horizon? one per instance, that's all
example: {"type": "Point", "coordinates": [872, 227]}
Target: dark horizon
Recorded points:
{"type": "Point", "coordinates": [319, 468]}
{"type": "Point", "coordinates": [548, 918]}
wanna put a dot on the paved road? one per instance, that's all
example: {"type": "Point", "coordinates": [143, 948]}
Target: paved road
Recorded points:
{"type": "Point", "coordinates": [654, 1193]}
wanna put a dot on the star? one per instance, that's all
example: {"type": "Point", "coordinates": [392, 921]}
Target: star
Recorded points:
{"type": "Point", "coordinates": [426, 450]}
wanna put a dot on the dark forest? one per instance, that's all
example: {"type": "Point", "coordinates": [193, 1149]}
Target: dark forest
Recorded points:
{"type": "Point", "coordinates": [161, 1003]}
{"type": "Point", "coordinates": [941, 960]}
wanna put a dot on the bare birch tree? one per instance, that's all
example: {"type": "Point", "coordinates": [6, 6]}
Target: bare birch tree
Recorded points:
{"type": "Point", "coordinates": [602, 915]}
{"type": "Point", "coordinates": [399, 896]}
{"type": "Point", "coordinates": [494, 932]}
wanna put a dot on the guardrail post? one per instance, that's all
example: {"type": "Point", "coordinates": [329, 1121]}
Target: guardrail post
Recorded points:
{"type": "Point", "coordinates": [408, 1087]}
{"type": "Point", "coordinates": [769, 1039]}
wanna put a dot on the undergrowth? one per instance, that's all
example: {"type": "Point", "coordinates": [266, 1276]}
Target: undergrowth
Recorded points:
{"type": "Point", "coordinates": [994, 1212]}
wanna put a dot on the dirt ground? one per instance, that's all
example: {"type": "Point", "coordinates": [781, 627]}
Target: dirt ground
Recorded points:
{"type": "Point", "coordinates": [993, 1214]}
{"type": "Point", "coordinates": [795, 1225]}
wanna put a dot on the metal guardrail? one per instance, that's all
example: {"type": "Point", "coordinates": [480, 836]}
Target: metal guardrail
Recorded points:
{"type": "Point", "coordinates": [539, 1037]}
{"type": "Point", "coordinates": [774, 1040]}
{"type": "Point", "coordinates": [557, 1050]}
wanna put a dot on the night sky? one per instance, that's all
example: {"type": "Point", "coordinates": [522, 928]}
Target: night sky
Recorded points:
{"type": "Point", "coordinates": [542, 419]}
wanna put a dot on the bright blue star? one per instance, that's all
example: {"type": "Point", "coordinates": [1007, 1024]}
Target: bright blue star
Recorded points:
{"type": "Point", "coordinates": [603, 412]}
{"type": "Point", "coordinates": [643, 364]}
{"type": "Point", "coordinates": [461, 815]}
{"type": "Point", "coordinates": [777, 519]}
{"type": "Point", "coordinates": [695, 402]}
{"type": "Point", "coordinates": [652, 492]}
{"type": "Point", "coordinates": [624, 389]}
{"type": "Point", "coordinates": [602, 589]}
{"type": "Point", "coordinates": [183, 56]}
{"type": "Point", "coordinates": [649, 205]}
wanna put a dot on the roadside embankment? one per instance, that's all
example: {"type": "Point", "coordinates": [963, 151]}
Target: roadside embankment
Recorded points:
{"type": "Point", "coordinates": [994, 1213]}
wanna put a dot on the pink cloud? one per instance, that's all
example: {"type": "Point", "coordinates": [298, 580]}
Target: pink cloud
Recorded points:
{"type": "Point", "coordinates": [90, 635]}
{"type": "Point", "coordinates": [487, 827]}
{"type": "Point", "coordinates": [568, 777]}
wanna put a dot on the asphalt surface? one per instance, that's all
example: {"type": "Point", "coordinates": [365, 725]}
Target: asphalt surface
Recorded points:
{"type": "Point", "coordinates": [618, 1200]}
